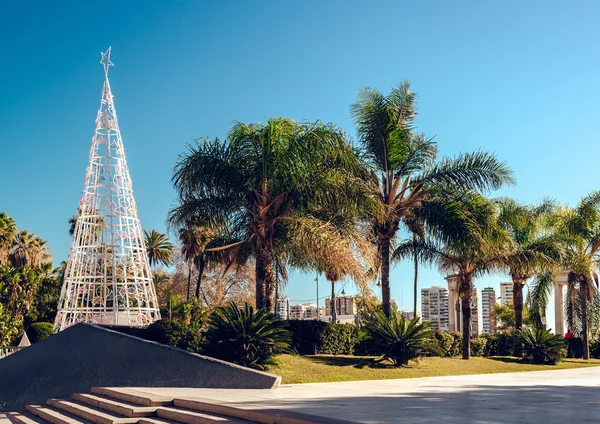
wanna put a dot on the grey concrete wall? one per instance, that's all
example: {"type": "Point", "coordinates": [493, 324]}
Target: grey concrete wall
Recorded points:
{"type": "Point", "coordinates": [87, 355]}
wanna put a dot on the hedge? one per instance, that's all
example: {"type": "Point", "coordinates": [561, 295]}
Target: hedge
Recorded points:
{"type": "Point", "coordinates": [318, 337]}
{"type": "Point", "coordinates": [39, 331]}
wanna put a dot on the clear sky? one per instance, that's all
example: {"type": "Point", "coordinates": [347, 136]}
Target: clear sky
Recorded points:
{"type": "Point", "coordinates": [516, 78]}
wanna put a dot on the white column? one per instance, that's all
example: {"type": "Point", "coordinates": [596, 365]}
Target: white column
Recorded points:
{"type": "Point", "coordinates": [559, 311]}
{"type": "Point", "coordinates": [452, 298]}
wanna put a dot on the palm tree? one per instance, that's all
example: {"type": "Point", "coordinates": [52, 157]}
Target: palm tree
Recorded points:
{"type": "Point", "coordinates": [532, 248]}
{"type": "Point", "coordinates": [405, 166]}
{"type": "Point", "coordinates": [264, 185]}
{"type": "Point", "coordinates": [580, 229]}
{"type": "Point", "coordinates": [29, 250]}
{"type": "Point", "coordinates": [8, 232]}
{"type": "Point", "coordinates": [472, 249]}
{"type": "Point", "coordinates": [159, 248]}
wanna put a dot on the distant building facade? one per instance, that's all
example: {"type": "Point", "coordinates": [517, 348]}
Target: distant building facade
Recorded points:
{"type": "Point", "coordinates": [304, 311]}
{"type": "Point", "coordinates": [408, 315]}
{"type": "Point", "coordinates": [434, 307]}
{"type": "Point", "coordinates": [344, 305]}
{"type": "Point", "coordinates": [475, 314]}
{"type": "Point", "coordinates": [488, 319]}
{"type": "Point", "coordinates": [282, 307]}
{"type": "Point", "coordinates": [506, 293]}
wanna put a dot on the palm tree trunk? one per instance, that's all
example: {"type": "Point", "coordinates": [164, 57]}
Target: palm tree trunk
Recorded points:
{"type": "Point", "coordinates": [333, 313]}
{"type": "Point", "coordinates": [200, 272]}
{"type": "Point", "coordinates": [518, 305]}
{"type": "Point", "coordinates": [465, 296]}
{"type": "Point", "coordinates": [583, 289]}
{"type": "Point", "coordinates": [189, 286]}
{"type": "Point", "coordinates": [385, 275]}
{"type": "Point", "coordinates": [416, 284]}
{"type": "Point", "coordinates": [262, 262]}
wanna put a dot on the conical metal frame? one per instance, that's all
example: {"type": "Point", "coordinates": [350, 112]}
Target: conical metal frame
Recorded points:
{"type": "Point", "coordinates": [108, 278]}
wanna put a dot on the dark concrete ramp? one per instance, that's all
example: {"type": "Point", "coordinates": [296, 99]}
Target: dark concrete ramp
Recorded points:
{"type": "Point", "coordinates": [87, 355]}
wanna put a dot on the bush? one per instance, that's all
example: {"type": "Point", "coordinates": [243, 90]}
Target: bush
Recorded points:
{"type": "Point", "coordinates": [500, 344]}
{"type": "Point", "coordinates": [39, 331]}
{"type": "Point", "coordinates": [174, 334]}
{"type": "Point", "coordinates": [478, 346]}
{"type": "Point", "coordinates": [246, 337]}
{"type": "Point", "coordinates": [318, 337]}
{"type": "Point", "coordinates": [307, 336]}
{"type": "Point", "coordinates": [398, 340]}
{"type": "Point", "coordinates": [445, 343]}
{"type": "Point", "coordinates": [595, 348]}
{"type": "Point", "coordinates": [543, 347]}
{"type": "Point", "coordinates": [339, 339]}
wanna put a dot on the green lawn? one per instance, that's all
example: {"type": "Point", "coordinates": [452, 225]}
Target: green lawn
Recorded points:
{"type": "Point", "coordinates": [325, 368]}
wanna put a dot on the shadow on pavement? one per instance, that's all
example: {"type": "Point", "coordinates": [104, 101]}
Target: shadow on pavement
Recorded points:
{"type": "Point", "coordinates": [474, 404]}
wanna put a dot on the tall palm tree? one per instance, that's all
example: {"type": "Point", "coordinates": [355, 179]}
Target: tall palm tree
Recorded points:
{"type": "Point", "coordinates": [533, 246]}
{"type": "Point", "coordinates": [263, 185]}
{"type": "Point", "coordinates": [8, 232]}
{"type": "Point", "coordinates": [29, 250]}
{"type": "Point", "coordinates": [472, 249]}
{"type": "Point", "coordinates": [159, 248]}
{"type": "Point", "coordinates": [580, 229]}
{"type": "Point", "coordinates": [406, 168]}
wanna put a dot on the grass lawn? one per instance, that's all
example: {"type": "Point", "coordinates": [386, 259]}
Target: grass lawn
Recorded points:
{"type": "Point", "coordinates": [325, 368]}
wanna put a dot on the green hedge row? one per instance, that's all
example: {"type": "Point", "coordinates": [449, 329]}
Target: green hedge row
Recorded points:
{"type": "Point", "coordinates": [318, 337]}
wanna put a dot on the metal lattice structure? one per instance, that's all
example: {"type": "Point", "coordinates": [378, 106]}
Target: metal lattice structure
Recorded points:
{"type": "Point", "coordinates": [107, 278]}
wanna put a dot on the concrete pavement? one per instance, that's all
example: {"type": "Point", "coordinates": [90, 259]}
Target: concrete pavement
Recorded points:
{"type": "Point", "coordinates": [562, 396]}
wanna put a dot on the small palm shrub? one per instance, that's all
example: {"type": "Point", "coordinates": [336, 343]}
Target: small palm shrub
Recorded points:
{"type": "Point", "coordinates": [398, 340]}
{"type": "Point", "coordinates": [245, 336]}
{"type": "Point", "coordinates": [543, 347]}
{"type": "Point", "coordinates": [39, 331]}
{"type": "Point", "coordinates": [478, 346]}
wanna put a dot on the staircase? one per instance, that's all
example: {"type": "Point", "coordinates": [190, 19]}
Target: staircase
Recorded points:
{"type": "Point", "coordinates": [128, 406]}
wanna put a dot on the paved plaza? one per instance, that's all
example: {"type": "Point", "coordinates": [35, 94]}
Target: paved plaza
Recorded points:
{"type": "Point", "coordinates": [562, 396]}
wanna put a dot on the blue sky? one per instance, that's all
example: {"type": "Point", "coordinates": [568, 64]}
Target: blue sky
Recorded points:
{"type": "Point", "coordinates": [516, 78]}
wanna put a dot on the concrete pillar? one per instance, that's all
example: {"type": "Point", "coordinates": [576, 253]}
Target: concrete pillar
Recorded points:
{"type": "Point", "coordinates": [453, 298]}
{"type": "Point", "coordinates": [559, 304]}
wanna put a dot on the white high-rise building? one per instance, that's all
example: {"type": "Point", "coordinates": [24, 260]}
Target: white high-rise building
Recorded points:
{"type": "Point", "coordinates": [434, 307]}
{"type": "Point", "coordinates": [282, 307]}
{"type": "Point", "coordinates": [488, 301]}
{"type": "Point", "coordinates": [304, 311]}
{"type": "Point", "coordinates": [506, 293]}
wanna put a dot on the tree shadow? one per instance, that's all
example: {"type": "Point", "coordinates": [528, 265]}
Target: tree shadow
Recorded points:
{"type": "Point", "coordinates": [352, 361]}
{"type": "Point", "coordinates": [455, 404]}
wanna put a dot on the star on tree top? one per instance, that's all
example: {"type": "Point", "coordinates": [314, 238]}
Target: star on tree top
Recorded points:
{"type": "Point", "coordinates": [106, 60]}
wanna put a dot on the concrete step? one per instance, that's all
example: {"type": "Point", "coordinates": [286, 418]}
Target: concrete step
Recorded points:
{"type": "Point", "coordinates": [153, 420]}
{"type": "Point", "coordinates": [25, 418]}
{"type": "Point", "coordinates": [133, 396]}
{"type": "Point", "coordinates": [53, 416]}
{"type": "Point", "coordinates": [91, 414]}
{"type": "Point", "coordinates": [264, 416]}
{"type": "Point", "coordinates": [116, 406]}
{"type": "Point", "coordinates": [195, 417]}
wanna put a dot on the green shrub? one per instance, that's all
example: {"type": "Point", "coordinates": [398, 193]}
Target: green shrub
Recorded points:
{"type": "Point", "coordinates": [478, 346]}
{"type": "Point", "coordinates": [318, 337]}
{"type": "Point", "coordinates": [449, 343]}
{"type": "Point", "coordinates": [39, 331]}
{"type": "Point", "coordinates": [174, 334]}
{"type": "Point", "coordinates": [457, 345]}
{"type": "Point", "coordinates": [500, 344]}
{"type": "Point", "coordinates": [543, 347]}
{"type": "Point", "coordinates": [339, 339]}
{"type": "Point", "coordinates": [307, 336]}
{"type": "Point", "coordinates": [246, 337]}
{"type": "Point", "coordinates": [398, 340]}
{"type": "Point", "coordinates": [595, 348]}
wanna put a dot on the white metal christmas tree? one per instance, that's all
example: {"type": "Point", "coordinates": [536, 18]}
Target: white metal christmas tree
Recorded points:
{"type": "Point", "coordinates": [108, 278]}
